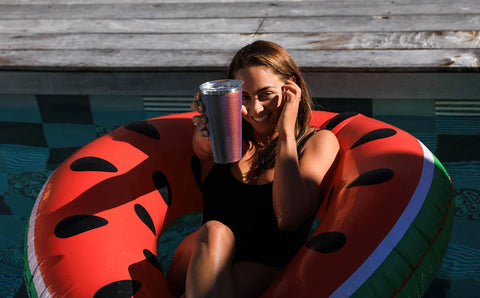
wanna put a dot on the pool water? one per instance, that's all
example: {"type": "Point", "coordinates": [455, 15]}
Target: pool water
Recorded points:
{"type": "Point", "coordinates": [38, 132]}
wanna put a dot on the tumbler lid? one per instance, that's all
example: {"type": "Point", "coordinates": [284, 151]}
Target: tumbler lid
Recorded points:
{"type": "Point", "coordinates": [221, 87]}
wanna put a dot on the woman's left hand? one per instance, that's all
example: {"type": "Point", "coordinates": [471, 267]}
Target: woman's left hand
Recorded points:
{"type": "Point", "coordinates": [291, 96]}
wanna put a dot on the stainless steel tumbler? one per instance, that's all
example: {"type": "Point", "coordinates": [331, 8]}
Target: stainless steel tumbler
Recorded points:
{"type": "Point", "coordinates": [223, 108]}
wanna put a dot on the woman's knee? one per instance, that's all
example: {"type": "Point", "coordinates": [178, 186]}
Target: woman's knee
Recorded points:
{"type": "Point", "coordinates": [217, 236]}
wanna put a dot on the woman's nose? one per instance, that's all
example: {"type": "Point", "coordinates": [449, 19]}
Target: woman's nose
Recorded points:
{"type": "Point", "coordinates": [257, 106]}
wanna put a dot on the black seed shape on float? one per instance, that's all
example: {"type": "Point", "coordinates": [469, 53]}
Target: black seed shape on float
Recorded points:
{"type": "Point", "coordinates": [142, 213]}
{"type": "Point", "coordinates": [152, 259]}
{"type": "Point", "coordinates": [374, 135]}
{"type": "Point", "coordinates": [161, 183]}
{"type": "Point", "coordinates": [327, 242]}
{"type": "Point", "coordinates": [376, 176]}
{"type": "Point", "coordinates": [92, 163]}
{"type": "Point", "coordinates": [338, 119]}
{"type": "Point", "coordinates": [144, 128]}
{"type": "Point", "coordinates": [119, 289]}
{"type": "Point", "coordinates": [77, 224]}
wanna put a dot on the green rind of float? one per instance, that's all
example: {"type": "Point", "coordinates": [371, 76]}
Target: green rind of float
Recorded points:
{"type": "Point", "coordinates": [405, 272]}
{"type": "Point", "coordinates": [173, 234]}
{"type": "Point", "coordinates": [27, 274]}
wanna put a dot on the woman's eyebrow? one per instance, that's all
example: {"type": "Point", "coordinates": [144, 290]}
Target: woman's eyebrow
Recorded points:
{"type": "Point", "coordinates": [260, 90]}
{"type": "Point", "coordinates": [264, 88]}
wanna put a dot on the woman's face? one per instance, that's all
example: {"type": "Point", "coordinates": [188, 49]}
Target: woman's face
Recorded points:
{"type": "Point", "coordinates": [261, 99]}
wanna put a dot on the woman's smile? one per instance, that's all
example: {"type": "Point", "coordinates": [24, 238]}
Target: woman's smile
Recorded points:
{"type": "Point", "coordinates": [261, 118]}
{"type": "Point", "coordinates": [261, 99]}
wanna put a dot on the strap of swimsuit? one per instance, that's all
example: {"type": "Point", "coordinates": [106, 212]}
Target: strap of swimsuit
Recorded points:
{"type": "Point", "coordinates": [304, 141]}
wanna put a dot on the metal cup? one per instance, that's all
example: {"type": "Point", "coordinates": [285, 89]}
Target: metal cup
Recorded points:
{"type": "Point", "coordinates": [223, 108]}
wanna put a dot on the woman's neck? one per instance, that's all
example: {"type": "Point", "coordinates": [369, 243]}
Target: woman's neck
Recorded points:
{"type": "Point", "coordinates": [263, 140]}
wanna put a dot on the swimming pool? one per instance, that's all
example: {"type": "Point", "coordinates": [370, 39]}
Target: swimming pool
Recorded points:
{"type": "Point", "coordinates": [39, 131]}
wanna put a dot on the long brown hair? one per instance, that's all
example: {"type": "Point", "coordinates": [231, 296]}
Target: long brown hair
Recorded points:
{"type": "Point", "coordinates": [276, 58]}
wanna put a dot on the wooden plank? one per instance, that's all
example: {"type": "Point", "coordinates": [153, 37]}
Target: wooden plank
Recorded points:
{"type": "Point", "coordinates": [320, 60]}
{"type": "Point", "coordinates": [61, 26]}
{"type": "Point", "coordinates": [236, 9]}
{"type": "Point", "coordinates": [52, 2]}
{"type": "Point", "coordinates": [456, 86]}
{"type": "Point", "coordinates": [221, 42]}
{"type": "Point", "coordinates": [244, 25]}
{"type": "Point", "coordinates": [171, 83]}
{"type": "Point", "coordinates": [452, 86]}
{"type": "Point", "coordinates": [388, 60]}
{"type": "Point", "coordinates": [371, 23]}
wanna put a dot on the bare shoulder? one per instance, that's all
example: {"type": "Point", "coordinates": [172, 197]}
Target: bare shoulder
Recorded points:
{"type": "Point", "coordinates": [321, 142]}
{"type": "Point", "coordinates": [319, 154]}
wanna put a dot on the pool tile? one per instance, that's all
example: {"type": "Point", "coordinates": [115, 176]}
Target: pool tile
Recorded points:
{"type": "Point", "coordinates": [454, 148]}
{"type": "Point", "coordinates": [61, 135]}
{"type": "Point", "coordinates": [19, 158]}
{"type": "Point", "coordinates": [116, 110]}
{"type": "Point", "coordinates": [403, 107]}
{"type": "Point", "coordinates": [29, 134]}
{"type": "Point", "coordinates": [339, 105]}
{"type": "Point", "coordinates": [65, 109]}
{"type": "Point", "coordinates": [15, 232]}
{"type": "Point", "coordinates": [19, 108]}
{"type": "Point", "coordinates": [59, 155]}
{"type": "Point", "coordinates": [4, 209]}
{"type": "Point", "coordinates": [411, 124]}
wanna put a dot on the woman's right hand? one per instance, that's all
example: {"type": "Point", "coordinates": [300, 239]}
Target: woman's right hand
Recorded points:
{"type": "Point", "coordinates": [201, 139]}
{"type": "Point", "coordinates": [200, 121]}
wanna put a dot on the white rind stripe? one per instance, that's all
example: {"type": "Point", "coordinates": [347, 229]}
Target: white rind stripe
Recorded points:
{"type": "Point", "coordinates": [32, 257]}
{"type": "Point", "coordinates": [358, 278]}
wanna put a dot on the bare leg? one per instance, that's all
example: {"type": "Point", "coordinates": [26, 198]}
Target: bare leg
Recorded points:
{"type": "Point", "coordinates": [209, 273]}
{"type": "Point", "coordinates": [253, 279]}
{"type": "Point", "coordinates": [177, 273]}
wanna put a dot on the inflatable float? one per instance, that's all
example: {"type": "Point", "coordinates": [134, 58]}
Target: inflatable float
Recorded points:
{"type": "Point", "coordinates": [383, 230]}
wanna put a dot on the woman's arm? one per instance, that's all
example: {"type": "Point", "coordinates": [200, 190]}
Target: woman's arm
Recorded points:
{"type": "Point", "coordinates": [297, 192]}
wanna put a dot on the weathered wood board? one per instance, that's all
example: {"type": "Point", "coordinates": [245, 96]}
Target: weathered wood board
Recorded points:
{"type": "Point", "coordinates": [410, 35]}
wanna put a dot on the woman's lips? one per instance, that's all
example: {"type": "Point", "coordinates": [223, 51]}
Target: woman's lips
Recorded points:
{"type": "Point", "coordinates": [260, 119]}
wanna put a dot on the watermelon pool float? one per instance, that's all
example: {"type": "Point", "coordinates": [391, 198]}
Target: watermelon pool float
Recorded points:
{"type": "Point", "coordinates": [383, 226]}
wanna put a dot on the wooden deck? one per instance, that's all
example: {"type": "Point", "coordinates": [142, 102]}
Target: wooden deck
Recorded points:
{"type": "Point", "coordinates": [417, 35]}
{"type": "Point", "coordinates": [345, 46]}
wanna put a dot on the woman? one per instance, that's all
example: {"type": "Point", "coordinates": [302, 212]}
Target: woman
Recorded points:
{"type": "Point", "coordinates": [257, 212]}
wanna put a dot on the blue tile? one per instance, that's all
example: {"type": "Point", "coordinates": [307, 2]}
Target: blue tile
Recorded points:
{"type": "Point", "coordinates": [339, 105]}
{"type": "Point", "coordinates": [29, 134]}
{"type": "Point", "coordinates": [14, 234]}
{"type": "Point", "coordinates": [19, 158]}
{"type": "Point", "coordinates": [65, 109]}
{"type": "Point", "coordinates": [4, 208]}
{"type": "Point", "coordinates": [60, 135]}
{"type": "Point", "coordinates": [59, 155]}
{"type": "Point", "coordinates": [403, 107]}
{"type": "Point", "coordinates": [464, 174]}
{"type": "Point", "coordinates": [458, 125]}
{"type": "Point", "coordinates": [455, 148]}
{"type": "Point", "coordinates": [19, 108]}
{"type": "Point", "coordinates": [411, 124]}
{"type": "Point", "coordinates": [116, 110]}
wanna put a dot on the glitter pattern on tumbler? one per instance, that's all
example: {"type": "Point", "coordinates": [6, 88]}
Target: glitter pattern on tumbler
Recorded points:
{"type": "Point", "coordinates": [223, 108]}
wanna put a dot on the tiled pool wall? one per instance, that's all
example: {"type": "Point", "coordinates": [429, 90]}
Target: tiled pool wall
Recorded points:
{"type": "Point", "coordinates": [37, 132]}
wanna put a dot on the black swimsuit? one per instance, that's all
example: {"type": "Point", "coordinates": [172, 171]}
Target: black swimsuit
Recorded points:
{"type": "Point", "coordinates": [247, 210]}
